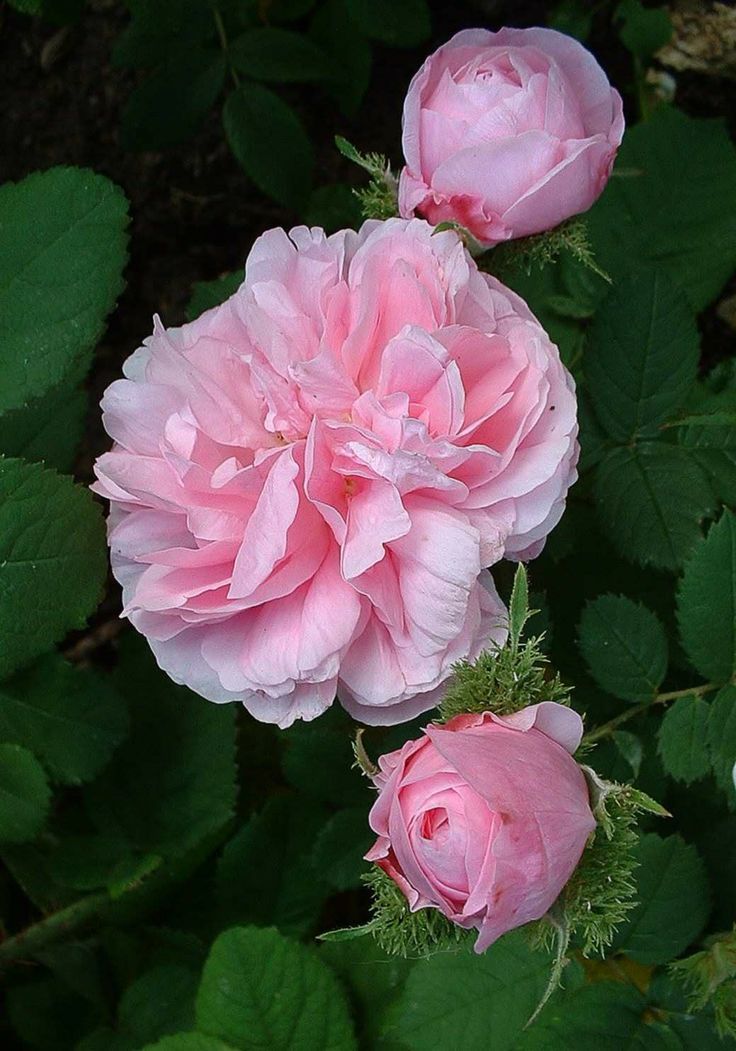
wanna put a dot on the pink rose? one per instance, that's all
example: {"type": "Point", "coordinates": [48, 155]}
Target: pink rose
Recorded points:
{"type": "Point", "coordinates": [307, 482]}
{"type": "Point", "coordinates": [485, 818]}
{"type": "Point", "coordinates": [508, 133]}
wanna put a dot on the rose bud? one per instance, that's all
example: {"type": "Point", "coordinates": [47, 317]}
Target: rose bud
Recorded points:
{"type": "Point", "coordinates": [484, 818]}
{"type": "Point", "coordinates": [508, 133]}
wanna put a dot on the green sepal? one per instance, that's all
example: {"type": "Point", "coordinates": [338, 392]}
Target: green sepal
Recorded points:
{"type": "Point", "coordinates": [378, 200]}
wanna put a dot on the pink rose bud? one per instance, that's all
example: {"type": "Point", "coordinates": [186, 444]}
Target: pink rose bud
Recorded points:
{"type": "Point", "coordinates": [508, 133]}
{"type": "Point", "coordinates": [308, 482]}
{"type": "Point", "coordinates": [485, 818]}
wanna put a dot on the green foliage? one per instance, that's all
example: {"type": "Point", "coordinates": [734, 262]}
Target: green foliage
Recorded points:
{"type": "Point", "coordinates": [278, 56]}
{"type": "Point", "coordinates": [709, 978]}
{"type": "Point", "coordinates": [643, 355]}
{"type": "Point", "coordinates": [706, 602]}
{"type": "Point", "coordinates": [52, 560]}
{"type": "Point", "coordinates": [48, 428]}
{"type": "Point", "coordinates": [259, 989]}
{"type": "Point", "coordinates": [643, 30]}
{"type": "Point", "coordinates": [625, 647]}
{"type": "Point", "coordinates": [673, 901]}
{"type": "Point", "coordinates": [670, 210]}
{"type": "Point", "coordinates": [62, 250]}
{"type": "Point", "coordinates": [24, 795]}
{"type": "Point", "coordinates": [158, 1002]}
{"type": "Point", "coordinates": [378, 199]}
{"type": "Point", "coordinates": [270, 144]}
{"type": "Point", "coordinates": [208, 294]}
{"type": "Point", "coordinates": [721, 739]}
{"type": "Point", "coordinates": [682, 739]}
{"type": "Point", "coordinates": [400, 25]}
{"type": "Point", "coordinates": [340, 846]}
{"type": "Point", "coordinates": [397, 930]}
{"type": "Point", "coordinates": [526, 253]}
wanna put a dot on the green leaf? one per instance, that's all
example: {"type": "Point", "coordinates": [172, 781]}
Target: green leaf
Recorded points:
{"type": "Point", "coordinates": [266, 874]}
{"type": "Point", "coordinates": [160, 27]}
{"type": "Point", "coordinates": [651, 500]}
{"type": "Point", "coordinates": [625, 647]}
{"type": "Point", "coordinates": [455, 1000]}
{"type": "Point", "coordinates": [334, 208]}
{"type": "Point", "coordinates": [169, 106]}
{"type": "Point", "coordinates": [674, 901]}
{"type": "Point", "coordinates": [374, 980]}
{"type": "Point", "coordinates": [682, 739]}
{"type": "Point", "coordinates": [340, 846]}
{"type": "Point", "coordinates": [643, 30]}
{"type": "Point", "coordinates": [71, 718]}
{"type": "Point", "coordinates": [607, 1016]}
{"type": "Point", "coordinates": [89, 862]}
{"type": "Point", "coordinates": [49, 428]}
{"type": "Point", "coordinates": [261, 990]}
{"type": "Point", "coordinates": [183, 1042]}
{"type": "Point", "coordinates": [62, 252]}
{"type": "Point", "coordinates": [714, 449]}
{"type": "Point", "coordinates": [706, 602]}
{"type": "Point", "coordinates": [208, 294]}
{"type": "Point", "coordinates": [318, 758]}
{"type": "Point", "coordinates": [721, 735]}
{"type": "Point", "coordinates": [518, 605]}
{"type": "Point", "coordinates": [279, 56]}
{"type": "Point", "coordinates": [685, 168]}
{"type": "Point", "coordinates": [643, 355]}
{"type": "Point", "coordinates": [401, 25]}
{"type": "Point", "coordinates": [159, 1002]}
{"type": "Point", "coordinates": [47, 1015]}
{"type": "Point", "coordinates": [172, 783]}
{"type": "Point", "coordinates": [27, 7]}
{"type": "Point", "coordinates": [350, 54]}
{"type": "Point", "coordinates": [52, 560]}
{"type": "Point", "coordinates": [270, 144]}
{"type": "Point", "coordinates": [24, 795]}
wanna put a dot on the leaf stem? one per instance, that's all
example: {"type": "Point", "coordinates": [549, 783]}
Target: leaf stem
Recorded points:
{"type": "Point", "coordinates": [661, 698]}
{"type": "Point", "coordinates": [52, 928]}
{"type": "Point", "coordinates": [224, 44]}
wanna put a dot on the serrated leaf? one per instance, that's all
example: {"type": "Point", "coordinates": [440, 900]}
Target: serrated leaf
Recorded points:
{"type": "Point", "coordinates": [278, 56]}
{"type": "Point", "coordinates": [158, 27]}
{"type": "Point", "coordinates": [686, 168]}
{"type": "Point", "coordinates": [652, 499]}
{"type": "Point", "coordinates": [682, 739]}
{"type": "Point", "coordinates": [181, 1042]}
{"type": "Point", "coordinates": [168, 107]}
{"type": "Point", "coordinates": [172, 783]}
{"type": "Point", "coordinates": [340, 846]}
{"type": "Point", "coordinates": [260, 989]}
{"type": "Point", "coordinates": [318, 758]}
{"type": "Point", "coordinates": [266, 874]}
{"type": "Point", "coordinates": [71, 718]}
{"type": "Point", "coordinates": [52, 560]}
{"type": "Point", "coordinates": [48, 429]}
{"type": "Point", "coordinates": [674, 901]}
{"type": "Point", "coordinates": [400, 25]}
{"type": "Point", "coordinates": [160, 1001]}
{"type": "Point", "coordinates": [714, 449]}
{"type": "Point", "coordinates": [24, 795]}
{"type": "Point", "coordinates": [269, 143]}
{"type": "Point", "coordinates": [643, 355]}
{"type": "Point", "coordinates": [62, 251]}
{"type": "Point", "coordinates": [721, 735]}
{"type": "Point", "coordinates": [208, 294]}
{"type": "Point", "coordinates": [625, 647]}
{"type": "Point", "coordinates": [457, 999]}
{"type": "Point", "coordinates": [706, 602]}
{"type": "Point", "coordinates": [373, 978]}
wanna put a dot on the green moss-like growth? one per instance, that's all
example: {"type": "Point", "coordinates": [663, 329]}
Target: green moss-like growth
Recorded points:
{"type": "Point", "coordinates": [401, 932]}
{"type": "Point", "coordinates": [378, 200]}
{"type": "Point", "coordinates": [709, 978]}
{"type": "Point", "coordinates": [526, 253]}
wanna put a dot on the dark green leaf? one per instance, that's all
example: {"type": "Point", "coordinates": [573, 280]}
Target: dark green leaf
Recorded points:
{"type": "Point", "coordinates": [159, 1002]}
{"type": "Point", "coordinates": [47, 1016]}
{"type": "Point", "coordinates": [52, 560]}
{"type": "Point", "coordinates": [334, 208]}
{"type": "Point", "coordinates": [722, 738]}
{"type": "Point", "coordinates": [340, 846]}
{"type": "Point", "coordinates": [401, 25]}
{"type": "Point", "coordinates": [706, 602]}
{"type": "Point", "coordinates": [88, 862]}
{"type": "Point", "coordinates": [71, 718]}
{"type": "Point", "coordinates": [687, 169]}
{"type": "Point", "coordinates": [180, 1042]}
{"type": "Point", "coordinates": [260, 989]}
{"type": "Point", "coordinates": [208, 294]}
{"type": "Point", "coordinates": [643, 355]}
{"type": "Point", "coordinates": [169, 106]}
{"type": "Point", "coordinates": [24, 795]}
{"type": "Point", "coordinates": [643, 30]}
{"type": "Point", "coordinates": [270, 144]}
{"type": "Point", "coordinates": [674, 901]}
{"type": "Point", "coordinates": [318, 758]}
{"type": "Point", "coordinates": [279, 56]}
{"type": "Point", "coordinates": [373, 978]}
{"type": "Point", "coordinates": [652, 499]}
{"type": "Point", "coordinates": [714, 449]}
{"type": "Point", "coordinates": [48, 428]}
{"type": "Point", "coordinates": [455, 1000]}
{"type": "Point", "coordinates": [349, 54]}
{"type": "Point", "coordinates": [62, 252]}
{"type": "Point", "coordinates": [682, 739]}
{"type": "Point", "coordinates": [173, 781]}
{"type": "Point", "coordinates": [160, 27]}
{"type": "Point", "coordinates": [625, 647]}
{"type": "Point", "coordinates": [266, 874]}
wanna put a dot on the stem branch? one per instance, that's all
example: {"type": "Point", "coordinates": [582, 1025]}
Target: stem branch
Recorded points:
{"type": "Point", "coordinates": [661, 698]}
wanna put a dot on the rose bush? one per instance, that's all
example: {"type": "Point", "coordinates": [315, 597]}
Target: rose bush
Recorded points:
{"type": "Point", "coordinates": [485, 818]}
{"type": "Point", "coordinates": [308, 481]}
{"type": "Point", "coordinates": [508, 133]}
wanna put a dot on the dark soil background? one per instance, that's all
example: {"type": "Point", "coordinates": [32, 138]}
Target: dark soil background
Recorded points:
{"type": "Point", "coordinates": [194, 212]}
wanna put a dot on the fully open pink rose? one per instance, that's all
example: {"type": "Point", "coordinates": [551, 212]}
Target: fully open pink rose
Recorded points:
{"type": "Point", "coordinates": [508, 133]}
{"type": "Point", "coordinates": [308, 481]}
{"type": "Point", "coordinates": [485, 818]}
